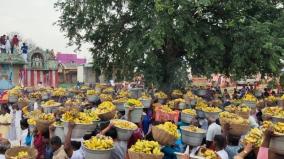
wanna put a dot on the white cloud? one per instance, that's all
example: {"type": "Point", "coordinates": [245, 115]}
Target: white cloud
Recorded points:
{"type": "Point", "coordinates": [34, 20]}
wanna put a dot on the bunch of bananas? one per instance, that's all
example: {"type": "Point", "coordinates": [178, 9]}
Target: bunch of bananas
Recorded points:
{"type": "Point", "coordinates": [254, 137]}
{"type": "Point", "coordinates": [59, 92]}
{"type": "Point", "coordinates": [92, 92]}
{"type": "Point", "coordinates": [124, 124]}
{"type": "Point", "coordinates": [177, 92]}
{"type": "Point", "coordinates": [282, 97]}
{"type": "Point", "coordinates": [134, 102]}
{"type": "Point", "coordinates": [33, 114]}
{"type": "Point", "coordinates": [193, 128]}
{"type": "Point", "coordinates": [48, 117]}
{"type": "Point", "coordinates": [147, 147]}
{"type": "Point", "coordinates": [271, 98]}
{"type": "Point", "coordinates": [161, 95]}
{"type": "Point", "coordinates": [280, 114]}
{"type": "Point", "coordinates": [25, 110]}
{"type": "Point", "coordinates": [108, 90]}
{"type": "Point", "coordinates": [171, 104]}
{"type": "Point", "coordinates": [99, 142]}
{"type": "Point", "coordinates": [36, 95]}
{"type": "Point", "coordinates": [231, 118]}
{"type": "Point", "coordinates": [271, 110]}
{"type": "Point", "coordinates": [201, 104]}
{"type": "Point", "coordinates": [144, 96]}
{"type": "Point", "coordinates": [166, 109]}
{"type": "Point", "coordinates": [243, 108]}
{"type": "Point", "coordinates": [249, 97]}
{"type": "Point", "coordinates": [231, 108]}
{"type": "Point", "coordinates": [78, 118]}
{"type": "Point", "coordinates": [208, 153]}
{"type": "Point", "coordinates": [123, 94]}
{"type": "Point", "coordinates": [106, 97]}
{"type": "Point", "coordinates": [121, 100]}
{"type": "Point", "coordinates": [31, 121]}
{"type": "Point", "coordinates": [211, 109]}
{"type": "Point", "coordinates": [191, 112]}
{"type": "Point", "coordinates": [14, 92]}
{"type": "Point", "coordinates": [105, 107]}
{"type": "Point", "coordinates": [50, 103]}
{"type": "Point", "coordinates": [92, 114]}
{"type": "Point", "coordinates": [18, 88]}
{"type": "Point", "coordinates": [170, 128]}
{"type": "Point", "coordinates": [22, 155]}
{"type": "Point", "coordinates": [266, 124]}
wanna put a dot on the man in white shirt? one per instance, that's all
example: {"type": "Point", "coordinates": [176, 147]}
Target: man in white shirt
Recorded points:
{"type": "Point", "coordinates": [213, 129]}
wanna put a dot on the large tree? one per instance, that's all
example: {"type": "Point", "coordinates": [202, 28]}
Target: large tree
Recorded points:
{"type": "Point", "coordinates": [163, 38]}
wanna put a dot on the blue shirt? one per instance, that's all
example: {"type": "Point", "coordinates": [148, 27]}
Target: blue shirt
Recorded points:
{"type": "Point", "coordinates": [24, 49]}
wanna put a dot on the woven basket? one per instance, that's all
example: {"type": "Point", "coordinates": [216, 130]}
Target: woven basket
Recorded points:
{"type": "Point", "coordinates": [12, 152]}
{"type": "Point", "coordinates": [237, 129]}
{"type": "Point", "coordinates": [136, 155]}
{"type": "Point", "coordinates": [107, 116]}
{"type": "Point", "coordinates": [163, 137]}
{"type": "Point", "coordinates": [43, 125]}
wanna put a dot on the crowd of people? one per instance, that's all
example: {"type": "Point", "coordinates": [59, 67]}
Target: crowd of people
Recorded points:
{"type": "Point", "coordinates": [15, 130]}
{"type": "Point", "coordinates": [12, 45]}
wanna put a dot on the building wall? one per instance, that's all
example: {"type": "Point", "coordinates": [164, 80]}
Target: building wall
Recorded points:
{"type": "Point", "coordinates": [47, 77]}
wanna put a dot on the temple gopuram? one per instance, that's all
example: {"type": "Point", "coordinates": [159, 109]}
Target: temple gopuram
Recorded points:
{"type": "Point", "coordinates": [42, 67]}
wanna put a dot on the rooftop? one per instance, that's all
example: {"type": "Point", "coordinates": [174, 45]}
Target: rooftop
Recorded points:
{"type": "Point", "coordinates": [65, 58]}
{"type": "Point", "coordinates": [11, 59]}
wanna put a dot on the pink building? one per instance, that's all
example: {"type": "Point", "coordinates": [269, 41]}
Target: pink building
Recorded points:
{"type": "Point", "coordinates": [65, 58]}
{"type": "Point", "coordinates": [67, 68]}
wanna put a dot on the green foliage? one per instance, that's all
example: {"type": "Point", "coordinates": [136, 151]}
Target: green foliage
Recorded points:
{"type": "Point", "coordinates": [163, 38]}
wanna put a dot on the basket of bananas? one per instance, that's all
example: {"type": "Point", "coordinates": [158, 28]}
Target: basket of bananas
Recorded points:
{"type": "Point", "coordinates": [98, 147]}
{"type": "Point", "coordinates": [176, 94]}
{"type": "Point", "coordinates": [161, 96]}
{"type": "Point", "coordinates": [59, 130]}
{"type": "Point", "coordinates": [92, 95]}
{"type": "Point", "coordinates": [268, 112]}
{"type": "Point", "coordinates": [21, 152]}
{"type": "Point", "coordinates": [106, 111]}
{"type": "Point", "coordinates": [105, 97]}
{"type": "Point", "coordinates": [192, 135]}
{"type": "Point", "coordinates": [231, 108]}
{"type": "Point", "coordinates": [212, 112]}
{"type": "Point", "coordinates": [249, 100]}
{"type": "Point", "coordinates": [207, 154]}
{"type": "Point", "coordinates": [120, 102]}
{"type": "Point", "coordinates": [136, 113]}
{"type": "Point", "coordinates": [43, 121]}
{"type": "Point", "coordinates": [50, 106]}
{"type": "Point", "coordinates": [270, 101]}
{"type": "Point", "coordinates": [165, 134]}
{"type": "Point", "coordinates": [190, 98]}
{"type": "Point", "coordinates": [187, 114]}
{"type": "Point", "coordinates": [278, 117]}
{"type": "Point", "coordinates": [13, 95]}
{"type": "Point", "coordinates": [124, 129]}
{"type": "Point", "coordinates": [83, 123]}
{"type": "Point", "coordinates": [145, 100]}
{"type": "Point", "coordinates": [108, 90]}
{"type": "Point", "coordinates": [199, 108]}
{"type": "Point", "coordinates": [280, 101]}
{"type": "Point", "coordinates": [277, 141]}
{"type": "Point", "coordinates": [146, 150]}
{"type": "Point", "coordinates": [243, 111]}
{"type": "Point", "coordinates": [59, 92]}
{"type": "Point", "coordinates": [238, 125]}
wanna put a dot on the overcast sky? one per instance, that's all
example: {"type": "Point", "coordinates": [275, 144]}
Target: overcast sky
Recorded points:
{"type": "Point", "coordinates": [34, 20]}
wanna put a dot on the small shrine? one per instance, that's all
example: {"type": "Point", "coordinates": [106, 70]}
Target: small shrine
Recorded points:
{"type": "Point", "coordinates": [10, 67]}
{"type": "Point", "coordinates": [42, 67]}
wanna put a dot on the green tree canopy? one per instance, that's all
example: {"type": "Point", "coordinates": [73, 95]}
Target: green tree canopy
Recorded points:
{"type": "Point", "coordinates": [163, 38]}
